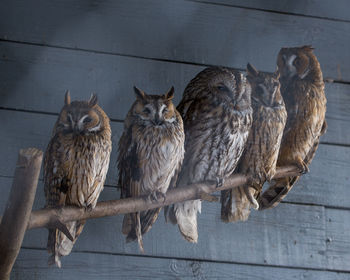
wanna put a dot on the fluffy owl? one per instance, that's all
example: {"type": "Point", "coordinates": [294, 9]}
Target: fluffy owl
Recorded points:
{"type": "Point", "coordinates": [75, 166]}
{"type": "Point", "coordinates": [302, 88]}
{"type": "Point", "coordinates": [259, 158]}
{"type": "Point", "coordinates": [217, 117]}
{"type": "Point", "coordinates": [151, 150]}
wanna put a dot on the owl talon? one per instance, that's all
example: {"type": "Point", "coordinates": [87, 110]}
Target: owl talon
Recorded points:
{"type": "Point", "coordinates": [88, 208]}
{"type": "Point", "coordinates": [302, 166]}
{"type": "Point", "coordinates": [156, 196]}
{"type": "Point", "coordinates": [219, 182]}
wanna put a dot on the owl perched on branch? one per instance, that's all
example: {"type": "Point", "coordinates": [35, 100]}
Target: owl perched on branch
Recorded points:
{"type": "Point", "coordinates": [151, 150]}
{"type": "Point", "coordinates": [217, 117]}
{"type": "Point", "coordinates": [75, 166]}
{"type": "Point", "coordinates": [259, 158]}
{"type": "Point", "coordinates": [302, 88]}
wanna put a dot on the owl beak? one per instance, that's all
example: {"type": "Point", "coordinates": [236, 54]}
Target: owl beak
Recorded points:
{"type": "Point", "coordinates": [76, 129]}
{"type": "Point", "coordinates": [157, 121]}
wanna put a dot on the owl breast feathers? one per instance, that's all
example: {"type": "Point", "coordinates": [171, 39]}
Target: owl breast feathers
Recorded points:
{"type": "Point", "coordinates": [302, 88]}
{"type": "Point", "coordinates": [259, 158]}
{"type": "Point", "coordinates": [217, 116]}
{"type": "Point", "coordinates": [151, 150]}
{"type": "Point", "coordinates": [75, 165]}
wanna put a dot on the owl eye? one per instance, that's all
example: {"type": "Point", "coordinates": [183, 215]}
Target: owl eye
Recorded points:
{"type": "Point", "coordinates": [147, 111]}
{"type": "Point", "coordinates": [297, 61]}
{"type": "Point", "coordinates": [164, 110]}
{"type": "Point", "coordinates": [222, 88]}
{"type": "Point", "coordinates": [87, 120]}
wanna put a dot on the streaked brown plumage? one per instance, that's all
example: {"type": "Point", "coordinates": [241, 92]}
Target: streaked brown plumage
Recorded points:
{"type": "Point", "coordinates": [302, 88]}
{"type": "Point", "coordinates": [151, 150]}
{"type": "Point", "coordinates": [217, 117]}
{"type": "Point", "coordinates": [259, 158]}
{"type": "Point", "coordinates": [75, 165]}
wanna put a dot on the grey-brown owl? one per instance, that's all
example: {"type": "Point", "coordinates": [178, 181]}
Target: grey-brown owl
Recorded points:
{"type": "Point", "coordinates": [259, 158]}
{"type": "Point", "coordinates": [302, 88]}
{"type": "Point", "coordinates": [75, 165]}
{"type": "Point", "coordinates": [217, 117]}
{"type": "Point", "coordinates": [151, 150]}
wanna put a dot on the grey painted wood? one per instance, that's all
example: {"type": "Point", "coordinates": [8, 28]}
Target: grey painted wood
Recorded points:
{"type": "Point", "coordinates": [181, 30]}
{"type": "Point", "coordinates": [31, 264]}
{"type": "Point", "coordinates": [326, 184]}
{"type": "Point", "coordinates": [35, 78]}
{"type": "Point", "coordinates": [320, 8]}
{"type": "Point", "coordinates": [338, 237]}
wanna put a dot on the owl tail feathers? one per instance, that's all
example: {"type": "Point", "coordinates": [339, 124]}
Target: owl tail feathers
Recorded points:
{"type": "Point", "coordinates": [236, 204]}
{"type": "Point", "coordinates": [185, 214]}
{"type": "Point", "coordinates": [276, 193]}
{"type": "Point", "coordinates": [58, 244]}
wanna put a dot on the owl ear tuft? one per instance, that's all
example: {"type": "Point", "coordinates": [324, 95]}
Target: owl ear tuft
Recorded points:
{"type": "Point", "coordinates": [93, 100]}
{"type": "Point", "coordinates": [251, 70]}
{"type": "Point", "coordinates": [140, 94]}
{"type": "Point", "coordinates": [308, 48]}
{"type": "Point", "coordinates": [67, 98]}
{"type": "Point", "coordinates": [170, 94]}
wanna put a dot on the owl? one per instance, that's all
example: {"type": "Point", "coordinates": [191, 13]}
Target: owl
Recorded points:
{"type": "Point", "coordinates": [259, 158]}
{"type": "Point", "coordinates": [302, 89]}
{"type": "Point", "coordinates": [151, 150]}
{"type": "Point", "coordinates": [217, 114]}
{"type": "Point", "coordinates": [75, 166]}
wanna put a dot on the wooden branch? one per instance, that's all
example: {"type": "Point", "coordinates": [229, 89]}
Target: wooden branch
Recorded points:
{"type": "Point", "coordinates": [18, 208]}
{"type": "Point", "coordinates": [50, 218]}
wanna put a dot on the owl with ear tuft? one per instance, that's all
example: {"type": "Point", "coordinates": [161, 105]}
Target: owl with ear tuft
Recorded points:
{"type": "Point", "coordinates": [151, 150]}
{"type": "Point", "coordinates": [259, 158]}
{"type": "Point", "coordinates": [217, 117]}
{"type": "Point", "coordinates": [75, 166]}
{"type": "Point", "coordinates": [302, 88]}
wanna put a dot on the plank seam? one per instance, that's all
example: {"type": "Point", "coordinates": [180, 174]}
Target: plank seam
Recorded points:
{"type": "Point", "coordinates": [269, 11]}
{"type": "Point", "coordinates": [326, 80]}
{"type": "Point", "coordinates": [195, 259]}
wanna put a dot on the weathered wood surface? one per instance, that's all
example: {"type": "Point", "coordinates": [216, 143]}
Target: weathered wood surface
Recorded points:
{"type": "Point", "coordinates": [327, 9]}
{"type": "Point", "coordinates": [338, 238]}
{"type": "Point", "coordinates": [19, 205]}
{"type": "Point", "coordinates": [112, 78]}
{"type": "Point", "coordinates": [329, 168]}
{"type": "Point", "coordinates": [100, 266]}
{"type": "Point", "coordinates": [290, 235]}
{"type": "Point", "coordinates": [183, 31]}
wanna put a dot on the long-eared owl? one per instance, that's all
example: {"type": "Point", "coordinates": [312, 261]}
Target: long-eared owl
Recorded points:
{"type": "Point", "coordinates": [151, 150]}
{"type": "Point", "coordinates": [75, 166]}
{"type": "Point", "coordinates": [302, 88]}
{"type": "Point", "coordinates": [259, 158]}
{"type": "Point", "coordinates": [217, 117]}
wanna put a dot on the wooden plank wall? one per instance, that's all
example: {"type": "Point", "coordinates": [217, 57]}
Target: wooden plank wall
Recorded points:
{"type": "Point", "coordinates": [107, 47]}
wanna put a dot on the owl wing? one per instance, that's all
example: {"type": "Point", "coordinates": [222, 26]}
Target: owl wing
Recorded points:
{"type": "Point", "coordinates": [56, 185]}
{"type": "Point", "coordinates": [55, 181]}
{"type": "Point", "coordinates": [130, 174]}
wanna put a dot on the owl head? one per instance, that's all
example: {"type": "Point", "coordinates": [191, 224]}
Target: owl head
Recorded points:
{"type": "Point", "coordinates": [265, 87]}
{"type": "Point", "coordinates": [155, 110]}
{"type": "Point", "coordinates": [299, 62]}
{"type": "Point", "coordinates": [80, 117]}
{"type": "Point", "coordinates": [231, 84]}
